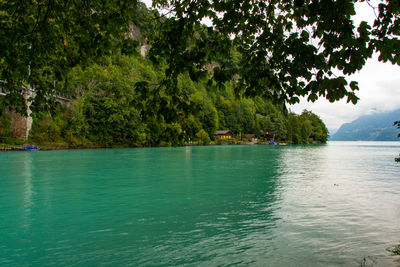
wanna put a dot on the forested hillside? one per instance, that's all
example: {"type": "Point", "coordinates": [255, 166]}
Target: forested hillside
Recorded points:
{"type": "Point", "coordinates": [121, 100]}
{"type": "Point", "coordinates": [112, 109]}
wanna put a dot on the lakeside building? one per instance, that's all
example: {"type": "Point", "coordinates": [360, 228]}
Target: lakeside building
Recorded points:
{"type": "Point", "coordinates": [223, 135]}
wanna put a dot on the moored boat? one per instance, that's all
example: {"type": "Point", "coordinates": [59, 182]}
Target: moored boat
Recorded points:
{"type": "Point", "coordinates": [30, 147]}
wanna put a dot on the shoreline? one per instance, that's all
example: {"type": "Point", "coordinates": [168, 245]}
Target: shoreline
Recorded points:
{"type": "Point", "coordinates": [49, 147]}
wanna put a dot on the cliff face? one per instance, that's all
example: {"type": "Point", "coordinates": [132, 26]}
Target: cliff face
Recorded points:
{"type": "Point", "coordinates": [21, 125]}
{"type": "Point", "coordinates": [374, 127]}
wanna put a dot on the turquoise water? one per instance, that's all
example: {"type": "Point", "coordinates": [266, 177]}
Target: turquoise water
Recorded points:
{"type": "Point", "coordinates": [325, 205]}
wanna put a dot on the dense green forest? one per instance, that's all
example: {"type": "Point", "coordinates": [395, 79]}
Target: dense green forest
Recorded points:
{"type": "Point", "coordinates": [112, 109]}
{"type": "Point", "coordinates": [122, 100]}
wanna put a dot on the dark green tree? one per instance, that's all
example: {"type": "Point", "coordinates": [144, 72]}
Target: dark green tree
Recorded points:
{"type": "Point", "coordinates": [305, 131]}
{"type": "Point", "coordinates": [398, 126]}
{"type": "Point", "coordinates": [203, 137]}
{"type": "Point", "coordinates": [42, 40]}
{"type": "Point", "coordinates": [294, 128]}
{"type": "Point", "coordinates": [286, 50]}
{"type": "Point", "coordinates": [319, 131]}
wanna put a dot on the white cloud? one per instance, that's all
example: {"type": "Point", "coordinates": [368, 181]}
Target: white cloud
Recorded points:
{"type": "Point", "coordinates": [147, 2]}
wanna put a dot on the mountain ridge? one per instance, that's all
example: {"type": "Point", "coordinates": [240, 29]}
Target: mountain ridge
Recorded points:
{"type": "Point", "coordinates": [372, 127]}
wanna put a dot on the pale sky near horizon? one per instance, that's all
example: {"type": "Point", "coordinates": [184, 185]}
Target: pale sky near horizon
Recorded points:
{"type": "Point", "coordinates": [379, 85]}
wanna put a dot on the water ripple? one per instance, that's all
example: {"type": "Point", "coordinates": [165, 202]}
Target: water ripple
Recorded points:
{"type": "Point", "coordinates": [328, 205]}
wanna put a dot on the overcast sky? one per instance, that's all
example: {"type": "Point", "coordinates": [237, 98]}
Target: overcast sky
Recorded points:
{"type": "Point", "coordinates": [379, 85]}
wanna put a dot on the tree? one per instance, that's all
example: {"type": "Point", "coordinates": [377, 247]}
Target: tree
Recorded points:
{"type": "Point", "coordinates": [41, 40]}
{"type": "Point", "coordinates": [398, 126]}
{"type": "Point", "coordinates": [192, 125]}
{"type": "Point", "coordinates": [287, 49]}
{"type": "Point", "coordinates": [280, 49]}
{"type": "Point", "coordinates": [319, 131]}
{"type": "Point", "coordinates": [294, 128]}
{"type": "Point", "coordinates": [279, 127]}
{"type": "Point", "coordinates": [305, 131]}
{"type": "Point", "coordinates": [203, 137]}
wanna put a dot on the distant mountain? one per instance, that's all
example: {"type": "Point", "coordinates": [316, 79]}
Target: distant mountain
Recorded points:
{"type": "Point", "coordinates": [374, 127]}
{"type": "Point", "coordinates": [332, 131]}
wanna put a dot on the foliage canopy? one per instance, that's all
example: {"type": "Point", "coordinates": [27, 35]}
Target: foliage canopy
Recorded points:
{"type": "Point", "coordinates": [110, 110]}
{"type": "Point", "coordinates": [277, 48]}
{"type": "Point", "coordinates": [42, 40]}
{"type": "Point", "coordinates": [124, 99]}
{"type": "Point", "coordinates": [287, 48]}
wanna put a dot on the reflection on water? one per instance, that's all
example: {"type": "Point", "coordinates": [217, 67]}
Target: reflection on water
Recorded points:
{"type": "Point", "coordinates": [26, 173]}
{"type": "Point", "coordinates": [322, 205]}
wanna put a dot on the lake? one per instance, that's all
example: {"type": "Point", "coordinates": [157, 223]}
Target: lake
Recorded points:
{"type": "Point", "coordinates": [313, 205]}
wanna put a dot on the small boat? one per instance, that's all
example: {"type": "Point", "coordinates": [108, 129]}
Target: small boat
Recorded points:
{"type": "Point", "coordinates": [30, 147]}
{"type": "Point", "coordinates": [397, 159]}
{"type": "Point", "coordinates": [272, 143]}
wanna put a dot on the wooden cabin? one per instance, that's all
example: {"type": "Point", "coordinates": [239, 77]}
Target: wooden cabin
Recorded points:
{"type": "Point", "coordinates": [223, 135]}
